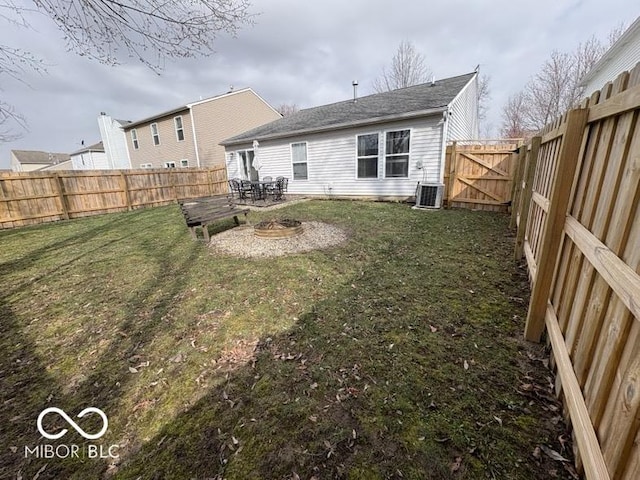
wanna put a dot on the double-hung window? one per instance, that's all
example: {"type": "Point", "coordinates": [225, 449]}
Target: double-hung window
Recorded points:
{"type": "Point", "coordinates": [134, 139]}
{"type": "Point", "coordinates": [368, 156]}
{"type": "Point", "coordinates": [299, 160]}
{"type": "Point", "coordinates": [154, 134]}
{"type": "Point", "coordinates": [179, 129]}
{"type": "Point", "coordinates": [397, 154]}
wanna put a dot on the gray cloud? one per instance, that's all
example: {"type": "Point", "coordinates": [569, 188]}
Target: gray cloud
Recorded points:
{"type": "Point", "coordinates": [299, 52]}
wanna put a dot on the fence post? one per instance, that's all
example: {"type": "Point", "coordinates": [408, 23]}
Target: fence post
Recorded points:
{"type": "Point", "coordinates": [525, 198]}
{"type": "Point", "coordinates": [516, 186]}
{"type": "Point", "coordinates": [555, 221]}
{"type": "Point", "coordinates": [125, 189]}
{"type": "Point", "coordinates": [63, 197]}
{"type": "Point", "coordinates": [452, 173]}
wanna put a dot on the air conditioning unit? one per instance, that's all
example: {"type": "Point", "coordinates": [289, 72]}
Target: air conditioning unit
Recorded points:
{"type": "Point", "coordinates": [429, 195]}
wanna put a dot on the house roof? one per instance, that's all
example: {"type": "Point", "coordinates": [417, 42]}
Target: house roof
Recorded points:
{"type": "Point", "coordinates": [610, 54]}
{"type": "Point", "coordinates": [38, 157]}
{"type": "Point", "coordinates": [183, 108]}
{"type": "Point", "coordinates": [418, 100]}
{"type": "Point", "coordinates": [96, 147]}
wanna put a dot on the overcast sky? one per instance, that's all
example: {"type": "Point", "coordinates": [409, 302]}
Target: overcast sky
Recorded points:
{"type": "Point", "coordinates": [305, 53]}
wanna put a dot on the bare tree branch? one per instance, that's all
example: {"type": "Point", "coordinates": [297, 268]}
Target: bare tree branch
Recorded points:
{"type": "Point", "coordinates": [149, 31]}
{"type": "Point", "coordinates": [286, 109]}
{"type": "Point", "coordinates": [407, 68]}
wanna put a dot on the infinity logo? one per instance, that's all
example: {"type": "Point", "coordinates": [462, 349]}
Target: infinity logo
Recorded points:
{"type": "Point", "coordinates": [68, 419]}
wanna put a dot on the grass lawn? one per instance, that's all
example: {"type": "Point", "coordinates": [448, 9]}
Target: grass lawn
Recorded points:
{"type": "Point", "coordinates": [396, 355]}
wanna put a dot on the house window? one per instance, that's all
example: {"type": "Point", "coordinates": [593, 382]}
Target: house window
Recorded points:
{"type": "Point", "coordinates": [299, 160]}
{"type": "Point", "coordinates": [154, 134]}
{"type": "Point", "coordinates": [397, 154]}
{"type": "Point", "coordinates": [169, 164]}
{"type": "Point", "coordinates": [179, 129]}
{"type": "Point", "coordinates": [184, 163]}
{"type": "Point", "coordinates": [247, 168]}
{"type": "Point", "coordinates": [146, 165]}
{"type": "Point", "coordinates": [368, 156]}
{"type": "Point", "coordinates": [134, 139]}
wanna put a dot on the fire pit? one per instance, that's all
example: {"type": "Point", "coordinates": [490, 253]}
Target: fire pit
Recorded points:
{"type": "Point", "coordinates": [284, 228]}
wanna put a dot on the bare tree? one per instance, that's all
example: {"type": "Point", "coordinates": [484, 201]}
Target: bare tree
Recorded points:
{"type": "Point", "coordinates": [286, 109]}
{"type": "Point", "coordinates": [407, 68]}
{"type": "Point", "coordinates": [513, 124]}
{"type": "Point", "coordinates": [555, 88]}
{"type": "Point", "coordinates": [149, 31]}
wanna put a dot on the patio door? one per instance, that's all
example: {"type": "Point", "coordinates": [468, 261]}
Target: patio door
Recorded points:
{"type": "Point", "coordinates": [246, 164]}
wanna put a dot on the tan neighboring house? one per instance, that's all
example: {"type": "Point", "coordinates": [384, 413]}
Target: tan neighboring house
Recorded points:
{"type": "Point", "coordinates": [189, 136]}
{"type": "Point", "coordinates": [32, 160]}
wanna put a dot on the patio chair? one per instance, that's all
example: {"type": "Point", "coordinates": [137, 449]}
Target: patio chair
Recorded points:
{"type": "Point", "coordinates": [268, 178]}
{"type": "Point", "coordinates": [244, 188]}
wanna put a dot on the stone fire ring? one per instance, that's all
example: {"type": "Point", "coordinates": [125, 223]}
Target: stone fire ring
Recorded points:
{"type": "Point", "coordinates": [278, 229]}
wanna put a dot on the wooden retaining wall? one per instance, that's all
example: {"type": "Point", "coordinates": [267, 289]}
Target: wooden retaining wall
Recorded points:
{"type": "Point", "coordinates": [28, 198]}
{"type": "Point", "coordinates": [576, 208]}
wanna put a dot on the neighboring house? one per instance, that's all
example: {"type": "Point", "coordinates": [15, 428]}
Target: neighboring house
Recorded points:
{"type": "Point", "coordinates": [189, 136]}
{"type": "Point", "coordinates": [623, 55]}
{"type": "Point", "coordinates": [32, 160]}
{"type": "Point", "coordinates": [90, 158]}
{"type": "Point", "coordinates": [378, 146]}
{"type": "Point", "coordinates": [114, 141]}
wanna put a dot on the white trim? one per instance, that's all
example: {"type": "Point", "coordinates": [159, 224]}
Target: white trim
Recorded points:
{"type": "Point", "coordinates": [195, 139]}
{"type": "Point", "coordinates": [443, 147]}
{"type": "Point", "coordinates": [182, 161]}
{"type": "Point", "coordinates": [228, 94]}
{"type": "Point", "coordinates": [377, 177]}
{"type": "Point", "coordinates": [306, 158]}
{"type": "Point", "coordinates": [457, 97]}
{"type": "Point", "coordinates": [384, 155]}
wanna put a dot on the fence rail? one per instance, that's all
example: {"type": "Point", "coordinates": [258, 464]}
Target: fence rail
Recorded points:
{"type": "Point", "coordinates": [28, 198]}
{"type": "Point", "coordinates": [576, 209]}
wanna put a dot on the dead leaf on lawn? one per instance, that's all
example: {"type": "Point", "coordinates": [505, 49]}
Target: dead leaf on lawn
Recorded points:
{"type": "Point", "coordinates": [537, 453]}
{"type": "Point", "coordinates": [466, 365]}
{"type": "Point", "coordinates": [433, 329]}
{"type": "Point", "coordinates": [133, 370]}
{"type": "Point", "coordinates": [455, 466]}
{"type": "Point", "coordinates": [498, 419]}
{"type": "Point", "coordinates": [553, 454]}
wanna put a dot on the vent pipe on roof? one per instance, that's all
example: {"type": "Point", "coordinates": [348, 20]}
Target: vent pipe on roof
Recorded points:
{"type": "Point", "coordinates": [433, 80]}
{"type": "Point", "coordinates": [355, 90]}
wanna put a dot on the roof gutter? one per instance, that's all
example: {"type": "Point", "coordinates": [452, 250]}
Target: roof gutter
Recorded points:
{"type": "Point", "coordinates": [337, 126]}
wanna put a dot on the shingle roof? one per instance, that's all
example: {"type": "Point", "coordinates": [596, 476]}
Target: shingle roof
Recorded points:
{"type": "Point", "coordinates": [96, 147]}
{"type": "Point", "coordinates": [35, 156]}
{"type": "Point", "coordinates": [423, 99]}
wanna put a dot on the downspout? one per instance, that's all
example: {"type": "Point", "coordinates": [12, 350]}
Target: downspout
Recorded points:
{"type": "Point", "coordinates": [195, 139]}
{"type": "Point", "coordinates": [445, 135]}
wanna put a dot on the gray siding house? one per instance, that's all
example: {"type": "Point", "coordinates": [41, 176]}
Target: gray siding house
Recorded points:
{"type": "Point", "coordinates": [623, 55]}
{"type": "Point", "coordinates": [378, 146]}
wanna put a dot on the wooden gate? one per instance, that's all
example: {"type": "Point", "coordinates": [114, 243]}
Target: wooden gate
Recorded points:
{"type": "Point", "coordinates": [479, 177]}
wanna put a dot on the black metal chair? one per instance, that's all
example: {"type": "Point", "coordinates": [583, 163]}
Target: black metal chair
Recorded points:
{"type": "Point", "coordinates": [245, 189]}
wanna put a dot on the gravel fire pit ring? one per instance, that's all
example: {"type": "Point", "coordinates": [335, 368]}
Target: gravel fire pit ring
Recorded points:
{"type": "Point", "coordinates": [242, 242]}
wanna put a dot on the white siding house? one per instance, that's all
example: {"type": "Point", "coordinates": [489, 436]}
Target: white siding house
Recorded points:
{"type": "Point", "coordinates": [623, 55]}
{"type": "Point", "coordinates": [114, 142]}
{"type": "Point", "coordinates": [90, 158]}
{"type": "Point", "coordinates": [379, 146]}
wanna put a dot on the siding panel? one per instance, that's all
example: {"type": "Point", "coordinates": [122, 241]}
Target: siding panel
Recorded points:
{"type": "Point", "coordinates": [331, 161]}
{"type": "Point", "coordinates": [463, 114]}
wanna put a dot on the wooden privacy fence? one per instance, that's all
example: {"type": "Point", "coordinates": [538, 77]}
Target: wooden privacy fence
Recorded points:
{"type": "Point", "coordinates": [578, 225]}
{"type": "Point", "coordinates": [479, 176]}
{"type": "Point", "coordinates": [28, 198]}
